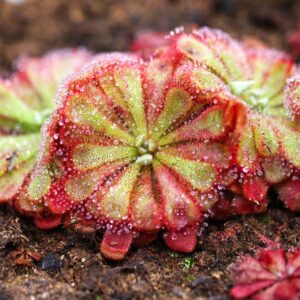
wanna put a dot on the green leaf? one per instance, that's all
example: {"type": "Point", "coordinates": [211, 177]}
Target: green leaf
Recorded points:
{"type": "Point", "coordinates": [208, 125]}
{"type": "Point", "coordinates": [82, 112]}
{"type": "Point", "coordinates": [270, 72]}
{"type": "Point", "coordinates": [247, 154]}
{"type": "Point", "coordinates": [128, 80]}
{"type": "Point", "coordinates": [39, 184]}
{"type": "Point", "coordinates": [265, 138]}
{"type": "Point", "coordinates": [275, 170]}
{"type": "Point", "coordinates": [81, 186]}
{"type": "Point", "coordinates": [178, 103]}
{"type": "Point", "coordinates": [115, 203]}
{"type": "Point", "coordinates": [145, 209]}
{"type": "Point", "coordinates": [230, 52]}
{"type": "Point", "coordinates": [239, 87]}
{"type": "Point", "coordinates": [15, 150]}
{"type": "Point", "coordinates": [89, 156]}
{"type": "Point", "coordinates": [199, 51]}
{"type": "Point", "coordinates": [200, 175]}
{"type": "Point", "coordinates": [178, 205]}
{"type": "Point", "coordinates": [17, 113]}
{"type": "Point", "coordinates": [291, 145]}
{"type": "Point", "coordinates": [11, 181]}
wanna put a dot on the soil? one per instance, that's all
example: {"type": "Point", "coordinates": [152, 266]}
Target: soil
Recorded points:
{"type": "Point", "coordinates": [69, 266]}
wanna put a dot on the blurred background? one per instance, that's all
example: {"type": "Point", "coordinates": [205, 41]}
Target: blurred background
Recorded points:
{"type": "Point", "coordinates": [32, 27]}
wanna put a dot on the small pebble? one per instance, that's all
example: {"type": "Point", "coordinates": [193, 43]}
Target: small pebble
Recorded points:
{"type": "Point", "coordinates": [50, 262]}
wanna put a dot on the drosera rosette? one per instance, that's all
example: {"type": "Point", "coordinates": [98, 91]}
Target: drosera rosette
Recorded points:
{"type": "Point", "coordinates": [26, 100]}
{"type": "Point", "coordinates": [267, 141]}
{"type": "Point", "coordinates": [274, 274]}
{"type": "Point", "coordinates": [275, 133]}
{"type": "Point", "coordinates": [133, 148]}
{"type": "Point", "coordinates": [268, 148]}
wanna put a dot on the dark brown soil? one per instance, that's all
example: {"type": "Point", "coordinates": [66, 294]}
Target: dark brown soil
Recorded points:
{"type": "Point", "coordinates": [153, 272]}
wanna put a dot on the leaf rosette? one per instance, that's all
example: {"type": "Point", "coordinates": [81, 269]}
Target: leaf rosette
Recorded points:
{"type": "Point", "coordinates": [134, 147]}
{"type": "Point", "coordinates": [266, 139]}
{"type": "Point", "coordinates": [272, 274]}
{"type": "Point", "coordinates": [26, 100]}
